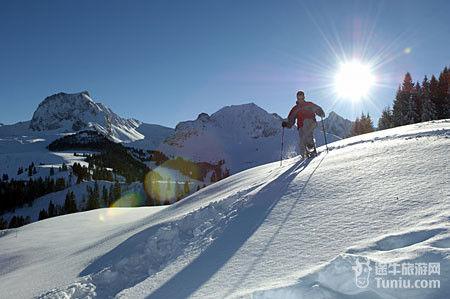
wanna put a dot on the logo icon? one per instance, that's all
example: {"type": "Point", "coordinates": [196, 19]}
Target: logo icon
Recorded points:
{"type": "Point", "coordinates": [362, 270]}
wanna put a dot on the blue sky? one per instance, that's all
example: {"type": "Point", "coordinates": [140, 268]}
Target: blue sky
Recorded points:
{"type": "Point", "coordinates": [167, 61]}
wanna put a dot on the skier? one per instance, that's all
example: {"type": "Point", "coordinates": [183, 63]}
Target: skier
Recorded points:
{"type": "Point", "coordinates": [305, 113]}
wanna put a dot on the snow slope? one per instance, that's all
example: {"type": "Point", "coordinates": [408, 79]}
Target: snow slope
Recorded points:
{"type": "Point", "coordinates": [58, 242]}
{"type": "Point", "coordinates": [154, 135]}
{"type": "Point", "coordinates": [243, 135]}
{"type": "Point", "coordinates": [290, 231]}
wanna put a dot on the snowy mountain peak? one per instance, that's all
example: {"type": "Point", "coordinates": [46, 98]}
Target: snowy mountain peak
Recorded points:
{"type": "Point", "coordinates": [337, 125]}
{"type": "Point", "coordinates": [236, 121]}
{"type": "Point", "coordinates": [203, 117]}
{"type": "Point", "coordinates": [77, 111]}
{"type": "Point", "coordinates": [248, 119]}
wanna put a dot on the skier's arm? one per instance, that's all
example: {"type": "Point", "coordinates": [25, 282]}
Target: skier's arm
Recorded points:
{"type": "Point", "coordinates": [319, 111]}
{"type": "Point", "coordinates": [291, 118]}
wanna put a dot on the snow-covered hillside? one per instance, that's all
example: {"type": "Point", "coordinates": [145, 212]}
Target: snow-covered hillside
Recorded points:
{"type": "Point", "coordinates": [301, 230]}
{"type": "Point", "coordinates": [337, 125]}
{"type": "Point", "coordinates": [243, 135]}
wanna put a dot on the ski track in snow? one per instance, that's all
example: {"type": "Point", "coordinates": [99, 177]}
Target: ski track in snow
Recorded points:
{"type": "Point", "coordinates": [293, 231]}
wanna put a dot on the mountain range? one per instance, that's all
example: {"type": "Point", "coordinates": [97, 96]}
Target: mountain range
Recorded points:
{"type": "Point", "coordinates": [241, 135]}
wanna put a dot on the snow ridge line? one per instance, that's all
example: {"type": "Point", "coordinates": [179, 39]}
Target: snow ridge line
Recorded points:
{"type": "Point", "coordinates": [432, 133]}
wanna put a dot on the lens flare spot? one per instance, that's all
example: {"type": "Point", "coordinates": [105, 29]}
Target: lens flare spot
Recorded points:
{"type": "Point", "coordinates": [101, 217]}
{"type": "Point", "coordinates": [172, 180]}
{"type": "Point", "coordinates": [129, 199]}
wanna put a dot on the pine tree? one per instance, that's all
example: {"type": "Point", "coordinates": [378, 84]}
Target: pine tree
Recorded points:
{"type": "Point", "coordinates": [416, 103]}
{"type": "Point", "coordinates": [3, 224]}
{"type": "Point", "coordinates": [442, 97]}
{"type": "Point", "coordinates": [446, 104]}
{"type": "Point", "coordinates": [428, 111]}
{"type": "Point", "coordinates": [362, 125]}
{"type": "Point", "coordinates": [411, 115]}
{"type": "Point", "coordinates": [93, 198]}
{"type": "Point", "coordinates": [51, 209]}
{"type": "Point", "coordinates": [111, 199]}
{"type": "Point", "coordinates": [43, 214]}
{"type": "Point", "coordinates": [60, 184]}
{"type": "Point", "coordinates": [434, 94]}
{"type": "Point", "coordinates": [386, 120]}
{"type": "Point", "coordinates": [213, 177]}
{"type": "Point", "coordinates": [178, 194]}
{"type": "Point", "coordinates": [105, 196]}
{"type": "Point", "coordinates": [17, 221]}
{"type": "Point", "coordinates": [117, 191]}
{"type": "Point", "coordinates": [402, 105]}
{"type": "Point", "coordinates": [30, 170]}
{"type": "Point", "coordinates": [70, 205]}
{"type": "Point", "coordinates": [186, 190]}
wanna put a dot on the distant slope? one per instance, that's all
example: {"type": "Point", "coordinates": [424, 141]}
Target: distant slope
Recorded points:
{"type": "Point", "coordinates": [291, 231]}
{"type": "Point", "coordinates": [243, 135]}
{"type": "Point", "coordinates": [337, 125]}
{"type": "Point", "coordinates": [154, 135]}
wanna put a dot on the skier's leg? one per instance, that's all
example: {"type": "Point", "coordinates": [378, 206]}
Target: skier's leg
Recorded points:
{"type": "Point", "coordinates": [302, 145]}
{"type": "Point", "coordinates": [314, 125]}
{"type": "Point", "coordinates": [308, 130]}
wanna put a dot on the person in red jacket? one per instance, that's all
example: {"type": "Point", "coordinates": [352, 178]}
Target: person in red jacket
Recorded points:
{"type": "Point", "coordinates": [305, 114]}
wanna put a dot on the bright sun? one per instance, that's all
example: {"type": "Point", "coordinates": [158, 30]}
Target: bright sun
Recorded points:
{"type": "Point", "coordinates": [354, 80]}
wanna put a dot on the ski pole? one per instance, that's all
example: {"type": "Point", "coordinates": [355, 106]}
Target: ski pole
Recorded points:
{"type": "Point", "coordinates": [282, 143]}
{"type": "Point", "coordinates": [324, 134]}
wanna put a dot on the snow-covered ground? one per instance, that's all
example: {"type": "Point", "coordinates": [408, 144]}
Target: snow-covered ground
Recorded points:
{"type": "Point", "coordinates": [59, 248]}
{"type": "Point", "coordinates": [300, 230]}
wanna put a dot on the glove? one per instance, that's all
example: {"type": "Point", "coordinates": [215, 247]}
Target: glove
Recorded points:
{"type": "Point", "coordinates": [285, 124]}
{"type": "Point", "coordinates": [321, 113]}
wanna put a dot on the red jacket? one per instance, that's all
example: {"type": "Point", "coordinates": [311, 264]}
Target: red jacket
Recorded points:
{"type": "Point", "coordinates": [302, 111]}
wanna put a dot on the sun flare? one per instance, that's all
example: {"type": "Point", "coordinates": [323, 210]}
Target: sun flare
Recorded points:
{"type": "Point", "coordinates": [354, 80]}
